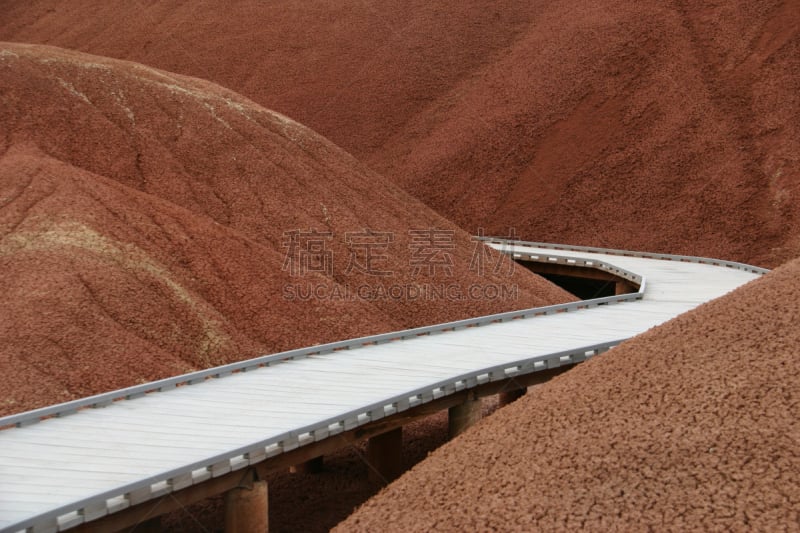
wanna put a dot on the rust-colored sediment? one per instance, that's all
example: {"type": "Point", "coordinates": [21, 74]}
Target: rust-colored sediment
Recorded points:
{"type": "Point", "coordinates": [666, 126]}
{"type": "Point", "coordinates": [142, 217]}
{"type": "Point", "coordinates": [143, 222]}
{"type": "Point", "coordinates": [690, 426]}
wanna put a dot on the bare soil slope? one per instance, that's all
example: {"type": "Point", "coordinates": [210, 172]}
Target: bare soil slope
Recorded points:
{"type": "Point", "coordinates": [143, 220]}
{"type": "Point", "coordinates": [668, 126]}
{"type": "Point", "coordinates": [691, 426]}
{"type": "Point", "coordinates": [661, 125]}
{"type": "Point", "coordinates": [354, 70]}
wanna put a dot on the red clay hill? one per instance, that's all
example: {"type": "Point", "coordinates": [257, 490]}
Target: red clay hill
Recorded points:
{"type": "Point", "coordinates": [669, 126]}
{"type": "Point", "coordinates": [147, 223]}
{"type": "Point", "coordinates": [692, 426]}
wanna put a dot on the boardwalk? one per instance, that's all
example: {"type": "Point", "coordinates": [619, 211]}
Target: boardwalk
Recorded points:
{"type": "Point", "coordinates": [58, 472]}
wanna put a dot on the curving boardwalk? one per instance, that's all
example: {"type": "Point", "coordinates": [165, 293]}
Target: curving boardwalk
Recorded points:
{"type": "Point", "coordinates": [119, 449]}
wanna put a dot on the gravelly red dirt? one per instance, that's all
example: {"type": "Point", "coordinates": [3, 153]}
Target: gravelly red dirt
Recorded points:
{"type": "Point", "coordinates": [143, 222]}
{"type": "Point", "coordinates": [693, 425]}
{"type": "Point", "coordinates": [667, 126]}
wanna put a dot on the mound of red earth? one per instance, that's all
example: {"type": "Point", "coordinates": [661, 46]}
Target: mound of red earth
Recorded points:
{"type": "Point", "coordinates": [152, 224]}
{"type": "Point", "coordinates": [668, 126]}
{"type": "Point", "coordinates": [691, 426]}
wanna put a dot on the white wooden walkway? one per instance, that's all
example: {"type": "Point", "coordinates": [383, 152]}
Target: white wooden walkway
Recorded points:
{"type": "Point", "coordinates": [57, 471]}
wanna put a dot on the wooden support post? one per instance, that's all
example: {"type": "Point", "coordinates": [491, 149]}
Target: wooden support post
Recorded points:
{"type": "Point", "coordinates": [246, 509]}
{"type": "Point", "coordinates": [464, 415]}
{"type": "Point", "coordinates": [385, 457]}
{"type": "Point", "coordinates": [509, 396]}
{"type": "Point", "coordinates": [312, 466]}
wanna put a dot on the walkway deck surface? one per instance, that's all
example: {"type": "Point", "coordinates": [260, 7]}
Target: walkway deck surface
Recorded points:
{"type": "Point", "coordinates": [61, 471]}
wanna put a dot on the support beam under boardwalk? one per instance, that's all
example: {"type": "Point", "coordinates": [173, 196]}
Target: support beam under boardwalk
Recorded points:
{"type": "Point", "coordinates": [509, 396]}
{"type": "Point", "coordinates": [312, 466]}
{"type": "Point", "coordinates": [624, 287]}
{"type": "Point", "coordinates": [385, 456]}
{"type": "Point", "coordinates": [246, 509]}
{"type": "Point", "coordinates": [464, 415]}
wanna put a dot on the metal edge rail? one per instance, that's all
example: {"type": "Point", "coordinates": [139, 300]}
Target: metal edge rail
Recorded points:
{"type": "Point", "coordinates": [626, 253]}
{"type": "Point", "coordinates": [582, 263]}
{"type": "Point", "coordinates": [192, 378]}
